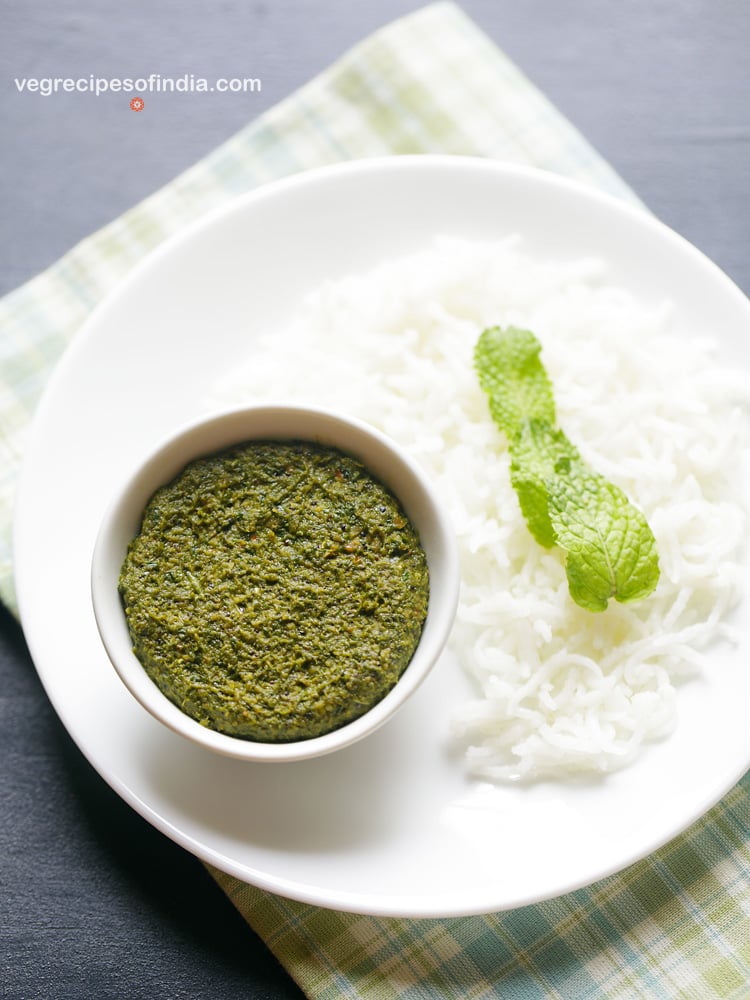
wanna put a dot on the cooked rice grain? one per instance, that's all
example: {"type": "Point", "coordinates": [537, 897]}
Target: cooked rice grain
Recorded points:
{"type": "Point", "coordinates": [558, 688]}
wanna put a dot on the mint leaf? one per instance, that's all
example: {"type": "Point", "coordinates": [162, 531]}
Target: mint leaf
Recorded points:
{"type": "Point", "coordinates": [610, 549]}
{"type": "Point", "coordinates": [513, 376]}
{"type": "Point", "coordinates": [537, 453]}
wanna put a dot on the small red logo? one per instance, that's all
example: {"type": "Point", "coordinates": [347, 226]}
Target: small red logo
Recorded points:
{"type": "Point", "coordinates": [137, 104]}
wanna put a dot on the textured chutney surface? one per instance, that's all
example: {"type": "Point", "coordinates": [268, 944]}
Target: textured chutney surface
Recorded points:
{"type": "Point", "coordinates": [276, 590]}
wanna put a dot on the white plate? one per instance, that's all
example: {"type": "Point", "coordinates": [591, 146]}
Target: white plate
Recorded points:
{"type": "Point", "coordinates": [392, 825]}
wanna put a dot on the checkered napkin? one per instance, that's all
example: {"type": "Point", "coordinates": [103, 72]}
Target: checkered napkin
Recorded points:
{"type": "Point", "coordinates": [674, 925]}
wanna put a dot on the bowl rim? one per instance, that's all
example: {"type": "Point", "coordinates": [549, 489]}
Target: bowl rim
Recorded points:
{"type": "Point", "coordinates": [279, 420]}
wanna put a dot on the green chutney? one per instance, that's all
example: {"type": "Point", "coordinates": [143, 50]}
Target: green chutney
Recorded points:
{"type": "Point", "coordinates": [276, 590]}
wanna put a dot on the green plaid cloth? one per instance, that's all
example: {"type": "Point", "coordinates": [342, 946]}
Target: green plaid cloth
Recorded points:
{"type": "Point", "coordinates": [676, 924]}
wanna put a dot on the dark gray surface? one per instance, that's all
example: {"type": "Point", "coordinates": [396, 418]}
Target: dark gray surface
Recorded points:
{"type": "Point", "coordinates": [94, 903]}
{"type": "Point", "coordinates": [660, 88]}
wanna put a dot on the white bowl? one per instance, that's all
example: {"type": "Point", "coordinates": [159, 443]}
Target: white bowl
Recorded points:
{"type": "Point", "coordinates": [380, 455]}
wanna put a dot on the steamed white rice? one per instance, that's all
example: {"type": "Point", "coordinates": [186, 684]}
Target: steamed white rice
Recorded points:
{"type": "Point", "coordinates": [558, 688]}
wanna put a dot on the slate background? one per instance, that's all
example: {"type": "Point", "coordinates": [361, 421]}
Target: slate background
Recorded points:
{"type": "Point", "coordinates": [94, 903]}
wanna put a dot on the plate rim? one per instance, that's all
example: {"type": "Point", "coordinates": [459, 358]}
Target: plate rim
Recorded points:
{"type": "Point", "coordinates": [329, 899]}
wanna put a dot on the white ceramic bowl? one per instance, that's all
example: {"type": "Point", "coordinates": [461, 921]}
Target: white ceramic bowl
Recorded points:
{"type": "Point", "coordinates": [380, 455]}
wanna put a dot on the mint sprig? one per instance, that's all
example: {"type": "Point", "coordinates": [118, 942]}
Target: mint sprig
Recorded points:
{"type": "Point", "coordinates": [610, 548]}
